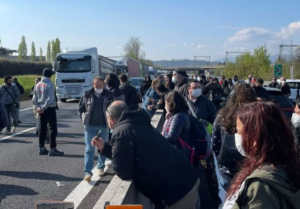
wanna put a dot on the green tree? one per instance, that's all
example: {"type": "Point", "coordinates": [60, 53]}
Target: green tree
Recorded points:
{"type": "Point", "coordinates": [22, 49]}
{"type": "Point", "coordinates": [48, 55]}
{"type": "Point", "coordinates": [133, 49]}
{"type": "Point", "coordinates": [33, 52]}
{"type": "Point", "coordinates": [52, 50]}
{"type": "Point", "coordinates": [41, 55]}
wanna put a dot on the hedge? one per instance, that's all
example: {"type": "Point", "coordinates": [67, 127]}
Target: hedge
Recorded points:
{"type": "Point", "coordinates": [9, 67]}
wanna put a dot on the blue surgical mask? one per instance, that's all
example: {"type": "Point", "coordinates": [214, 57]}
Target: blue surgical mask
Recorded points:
{"type": "Point", "coordinates": [111, 131]}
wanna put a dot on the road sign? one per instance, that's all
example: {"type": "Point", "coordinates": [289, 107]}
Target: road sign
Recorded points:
{"type": "Point", "coordinates": [277, 70]}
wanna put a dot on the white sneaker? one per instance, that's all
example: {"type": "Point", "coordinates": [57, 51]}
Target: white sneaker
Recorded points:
{"type": "Point", "coordinates": [101, 172]}
{"type": "Point", "coordinates": [108, 163]}
{"type": "Point", "coordinates": [13, 130]}
{"type": "Point", "coordinates": [6, 132]}
{"type": "Point", "coordinates": [88, 177]}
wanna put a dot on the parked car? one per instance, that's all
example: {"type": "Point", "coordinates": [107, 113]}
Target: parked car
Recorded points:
{"type": "Point", "coordinates": [278, 97]}
{"type": "Point", "coordinates": [294, 85]}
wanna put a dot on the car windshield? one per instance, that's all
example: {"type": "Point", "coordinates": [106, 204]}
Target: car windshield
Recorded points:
{"type": "Point", "coordinates": [136, 82]}
{"type": "Point", "coordinates": [74, 65]}
{"type": "Point", "coordinates": [279, 98]}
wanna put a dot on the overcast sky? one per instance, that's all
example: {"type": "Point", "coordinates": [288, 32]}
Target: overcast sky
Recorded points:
{"type": "Point", "coordinates": [170, 29]}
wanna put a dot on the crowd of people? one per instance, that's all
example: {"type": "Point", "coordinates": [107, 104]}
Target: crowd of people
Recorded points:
{"type": "Point", "coordinates": [256, 148]}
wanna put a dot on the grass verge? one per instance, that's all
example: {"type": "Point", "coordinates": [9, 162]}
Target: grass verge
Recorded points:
{"type": "Point", "coordinates": [27, 81]}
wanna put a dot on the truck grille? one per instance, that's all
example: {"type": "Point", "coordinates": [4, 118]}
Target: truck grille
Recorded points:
{"type": "Point", "coordinates": [73, 89]}
{"type": "Point", "coordinates": [73, 80]}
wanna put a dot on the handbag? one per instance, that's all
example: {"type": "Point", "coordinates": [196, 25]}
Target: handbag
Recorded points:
{"type": "Point", "coordinates": [17, 105]}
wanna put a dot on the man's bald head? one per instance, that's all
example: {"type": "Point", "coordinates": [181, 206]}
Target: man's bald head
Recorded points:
{"type": "Point", "coordinates": [116, 108]}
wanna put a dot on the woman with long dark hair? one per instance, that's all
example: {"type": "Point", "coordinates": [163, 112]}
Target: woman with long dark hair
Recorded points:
{"type": "Point", "coordinates": [224, 129]}
{"type": "Point", "coordinates": [270, 174]}
{"type": "Point", "coordinates": [168, 82]}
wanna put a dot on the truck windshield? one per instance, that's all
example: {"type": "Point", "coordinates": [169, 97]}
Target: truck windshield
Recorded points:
{"type": "Point", "coordinates": [74, 65]}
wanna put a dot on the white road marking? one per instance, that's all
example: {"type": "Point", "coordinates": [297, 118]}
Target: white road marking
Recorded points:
{"type": "Point", "coordinates": [83, 188]}
{"type": "Point", "coordinates": [30, 108]}
{"type": "Point", "coordinates": [10, 136]}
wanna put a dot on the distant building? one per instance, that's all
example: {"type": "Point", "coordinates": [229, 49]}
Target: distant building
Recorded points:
{"type": "Point", "coordinates": [5, 53]}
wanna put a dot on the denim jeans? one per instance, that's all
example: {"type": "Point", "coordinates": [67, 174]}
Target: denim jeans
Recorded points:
{"type": "Point", "coordinates": [90, 132]}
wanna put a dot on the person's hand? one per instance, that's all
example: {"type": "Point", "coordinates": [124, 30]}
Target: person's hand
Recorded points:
{"type": "Point", "coordinates": [150, 107]}
{"type": "Point", "coordinates": [159, 101]}
{"type": "Point", "coordinates": [98, 142]}
{"type": "Point", "coordinates": [39, 111]}
{"type": "Point", "coordinates": [259, 99]}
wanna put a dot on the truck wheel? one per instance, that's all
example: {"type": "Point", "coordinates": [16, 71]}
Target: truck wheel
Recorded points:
{"type": "Point", "coordinates": [63, 100]}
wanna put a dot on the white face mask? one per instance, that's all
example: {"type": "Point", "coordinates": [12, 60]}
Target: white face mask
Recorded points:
{"type": "Point", "coordinates": [196, 93]}
{"type": "Point", "coordinates": [174, 80]}
{"type": "Point", "coordinates": [296, 120]}
{"type": "Point", "coordinates": [238, 144]}
{"type": "Point", "coordinates": [283, 82]}
{"type": "Point", "coordinates": [98, 91]}
{"type": "Point", "coordinates": [167, 109]}
{"type": "Point", "coordinates": [198, 79]}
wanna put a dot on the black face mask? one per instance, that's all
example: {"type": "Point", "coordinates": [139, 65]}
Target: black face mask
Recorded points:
{"type": "Point", "coordinates": [9, 84]}
{"type": "Point", "coordinates": [235, 79]}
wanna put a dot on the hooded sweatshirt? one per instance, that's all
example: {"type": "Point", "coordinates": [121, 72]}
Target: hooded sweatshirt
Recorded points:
{"type": "Point", "coordinates": [268, 187]}
{"type": "Point", "coordinates": [44, 94]}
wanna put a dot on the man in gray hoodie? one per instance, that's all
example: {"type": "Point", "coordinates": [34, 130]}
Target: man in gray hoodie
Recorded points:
{"type": "Point", "coordinates": [45, 101]}
{"type": "Point", "coordinates": [10, 96]}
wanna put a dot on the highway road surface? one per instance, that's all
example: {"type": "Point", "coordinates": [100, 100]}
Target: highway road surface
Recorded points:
{"type": "Point", "coordinates": [26, 177]}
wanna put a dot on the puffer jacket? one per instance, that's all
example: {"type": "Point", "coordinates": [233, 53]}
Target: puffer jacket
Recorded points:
{"type": "Point", "coordinates": [178, 126]}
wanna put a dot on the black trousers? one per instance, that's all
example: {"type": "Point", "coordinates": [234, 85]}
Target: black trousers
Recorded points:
{"type": "Point", "coordinates": [48, 117]}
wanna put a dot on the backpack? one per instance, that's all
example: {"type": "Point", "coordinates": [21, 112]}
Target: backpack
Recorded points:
{"type": "Point", "coordinates": [199, 148]}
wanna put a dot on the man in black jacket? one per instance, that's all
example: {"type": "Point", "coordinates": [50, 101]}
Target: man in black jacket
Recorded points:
{"type": "Point", "coordinates": [261, 92]}
{"type": "Point", "coordinates": [129, 91]}
{"type": "Point", "coordinates": [112, 83]}
{"type": "Point", "coordinates": [274, 83]}
{"type": "Point", "coordinates": [180, 78]}
{"type": "Point", "coordinates": [141, 153]}
{"type": "Point", "coordinates": [21, 90]}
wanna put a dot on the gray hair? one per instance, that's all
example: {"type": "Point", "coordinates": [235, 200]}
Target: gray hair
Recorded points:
{"type": "Point", "coordinates": [116, 109]}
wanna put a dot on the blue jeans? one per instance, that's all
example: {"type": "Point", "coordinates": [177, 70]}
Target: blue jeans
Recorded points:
{"type": "Point", "coordinates": [90, 132]}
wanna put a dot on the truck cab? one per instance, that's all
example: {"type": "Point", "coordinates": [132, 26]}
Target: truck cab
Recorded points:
{"type": "Point", "coordinates": [75, 70]}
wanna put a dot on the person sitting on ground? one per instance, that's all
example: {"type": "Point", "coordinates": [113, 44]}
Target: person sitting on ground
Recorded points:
{"type": "Point", "coordinates": [129, 91]}
{"type": "Point", "coordinates": [224, 129]}
{"type": "Point", "coordinates": [180, 79]}
{"type": "Point", "coordinates": [284, 87]}
{"type": "Point", "coordinates": [168, 82]}
{"type": "Point", "coordinates": [261, 92]}
{"type": "Point", "coordinates": [274, 83]}
{"type": "Point", "coordinates": [151, 98]}
{"type": "Point", "coordinates": [112, 83]}
{"type": "Point", "coordinates": [270, 174]}
{"type": "Point", "coordinates": [166, 177]}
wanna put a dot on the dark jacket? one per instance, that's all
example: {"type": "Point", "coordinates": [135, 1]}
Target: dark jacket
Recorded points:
{"type": "Point", "coordinates": [268, 187]}
{"type": "Point", "coordinates": [273, 85]}
{"type": "Point", "coordinates": [30, 95]}
{"type": "Point", "coordinates": [216, 89]}
{"type": "Point", "coordinates": [178, 126]}
{"type": "Point", "coordinates": [3, 116]}
{"type": "Point", "coordinates": [130, 94]}
{"type": "Point", "coordinates": [182, 88]}
{"type": "Point", "coordinates": [20, 87]}
{"type": "Point", "coordinates": [86, 104]}
{"type": "Point", "coordinates": [13, 97]}
{"type": "Point", "coordinates": [144, 87]}
{"type": "Point", "coordinates": [285, 89]}
{"type": "Point", "coordinates": [118, 93]}
{"type": "Point", "coordinates": [170, 86]}
{"type": "Point", "coordinates": [219, 136]}
{"type": "Point", "coordinates": [203, 108]}
{"type": "Point", "coordinates": [261, 92]}
{"type": "Point", "coordinates": [141, 153]}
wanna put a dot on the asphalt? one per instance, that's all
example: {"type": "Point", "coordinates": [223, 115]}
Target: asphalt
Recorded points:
{"type": "Point", "coordinates": [26, 177]}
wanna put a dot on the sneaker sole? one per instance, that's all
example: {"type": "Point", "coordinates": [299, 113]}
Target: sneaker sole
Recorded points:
{"type": "Point", "coordinates": [88, 179]}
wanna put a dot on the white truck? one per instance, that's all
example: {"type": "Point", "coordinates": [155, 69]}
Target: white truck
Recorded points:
{"type": "Point", "coordinates": [75, 69]}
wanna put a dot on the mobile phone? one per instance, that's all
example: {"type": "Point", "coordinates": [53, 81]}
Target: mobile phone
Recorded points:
{"type": "Point", "coordinates": [98, 135]}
